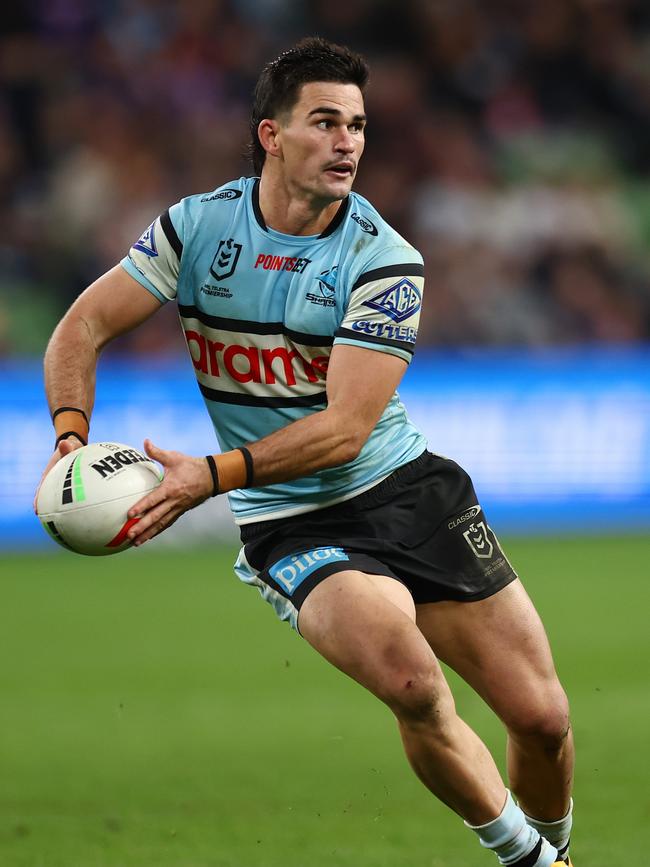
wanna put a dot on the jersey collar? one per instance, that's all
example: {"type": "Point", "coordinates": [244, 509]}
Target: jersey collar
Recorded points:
{"type": "Point", "coordinates": [336, 221]}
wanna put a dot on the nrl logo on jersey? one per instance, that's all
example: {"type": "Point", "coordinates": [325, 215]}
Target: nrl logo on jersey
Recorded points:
{"type": "Point", "coordinates": [146, 243]}
{"type": "Point", "coordinates": [399, 301]}
{"type": "Point", "coordinates": [225, 259]}
{"type": "Point", "coordinates": [326, 288]}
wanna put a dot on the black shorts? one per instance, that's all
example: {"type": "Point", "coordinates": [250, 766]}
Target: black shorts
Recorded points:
{"type": "Point", "coordinates": [422, 525]}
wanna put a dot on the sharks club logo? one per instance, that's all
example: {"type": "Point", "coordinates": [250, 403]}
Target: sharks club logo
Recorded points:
{"type": "Point", "coordinates": [325, 297]}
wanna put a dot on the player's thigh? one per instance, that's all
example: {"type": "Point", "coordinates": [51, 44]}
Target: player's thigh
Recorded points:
{"type": "Point", "coordinates": [364, 625]}
{"type": "Point", "coordinates": [499, 646]}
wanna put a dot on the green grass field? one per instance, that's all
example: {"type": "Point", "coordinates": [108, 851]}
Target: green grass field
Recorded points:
{"type": "Point", "coordinates": [155, 714]}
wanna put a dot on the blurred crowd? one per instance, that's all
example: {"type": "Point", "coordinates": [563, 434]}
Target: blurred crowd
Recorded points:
{"type": "Point", "coordinates": [509, 140]}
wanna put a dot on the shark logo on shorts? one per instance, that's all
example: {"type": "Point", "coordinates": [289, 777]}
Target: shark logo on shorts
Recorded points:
{"type": "Point", "coordinates": [477, 539]}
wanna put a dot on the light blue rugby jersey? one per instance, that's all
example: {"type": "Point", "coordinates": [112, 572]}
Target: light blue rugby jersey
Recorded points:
{"type": "Point", "coordinates": [261, 311]}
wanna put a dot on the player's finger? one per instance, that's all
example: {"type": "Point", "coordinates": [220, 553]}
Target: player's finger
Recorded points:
{"type": "Point", "coordinates": [68, 445]}
{"type": "Point", "coordinates": [55, 457]}
{"type": "Point", "coordinates": [64, 448]}
{"type": "Point", "coordinates": [162, 523]}
{"type": "Point", "coordinates": [149, 501]}
{"type": "Point", "coordinates": [146, 504]}
{"type": "Point", "coordinates": [147, 520]}
{"type": "Point", "coordinates": [160, 455]}
{"type": "Point", "coordinates": [160, 505]}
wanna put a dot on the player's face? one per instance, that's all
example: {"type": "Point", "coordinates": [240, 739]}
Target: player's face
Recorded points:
{"type": "Point", "coordinates": [323, 139]}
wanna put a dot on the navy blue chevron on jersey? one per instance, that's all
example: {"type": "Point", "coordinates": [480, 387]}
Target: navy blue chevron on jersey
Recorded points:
{"type": "Point", "coordinates": [261, 311]}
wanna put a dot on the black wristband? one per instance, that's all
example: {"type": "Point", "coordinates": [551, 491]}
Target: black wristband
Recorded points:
{"type": "Point", "coordinates": [69, 433]}
{"type": "Point", "coordinates": [250, 467]}
{"type": "Point", "coordinates": [214, 472]}
{"type": "Point", "coordinates": [70, 409]}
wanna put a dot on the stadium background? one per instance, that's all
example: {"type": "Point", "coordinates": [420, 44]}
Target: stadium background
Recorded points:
{"type": "Point", "coordinates": [510, 142]}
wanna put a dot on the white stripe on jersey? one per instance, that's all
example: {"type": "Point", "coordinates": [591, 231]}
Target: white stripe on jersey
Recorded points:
{"type": "Point", "coordinates": [386, 309]}
{"type": "Point", "coordinates": [154, 257]}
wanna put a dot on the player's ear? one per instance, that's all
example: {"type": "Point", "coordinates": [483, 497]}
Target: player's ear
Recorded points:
{"type": "Point", "coordinates": [267, 132]}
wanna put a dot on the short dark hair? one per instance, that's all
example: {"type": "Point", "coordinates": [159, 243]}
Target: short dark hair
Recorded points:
{"type": "Point", "coordinates": [278, 87]}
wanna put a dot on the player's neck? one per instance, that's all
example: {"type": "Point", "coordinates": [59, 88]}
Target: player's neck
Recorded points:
{"type": "Point", "coordinates": [291, 214]}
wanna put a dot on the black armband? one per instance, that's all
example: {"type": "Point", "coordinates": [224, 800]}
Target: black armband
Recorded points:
{"type": "Point", "coordinates": [250, 467]}
{"type": "Point", "coordinates": [70, 409]}
{"type": "Point", "coordinates": [214, 472]}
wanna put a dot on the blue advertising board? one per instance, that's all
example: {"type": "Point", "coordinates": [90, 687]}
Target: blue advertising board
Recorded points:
{"type": "Point", "coordinates": [555, 441]}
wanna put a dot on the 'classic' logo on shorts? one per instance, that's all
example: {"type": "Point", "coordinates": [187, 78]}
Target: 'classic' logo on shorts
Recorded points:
{"type": "Point", "coordinates": [477, 539]}
{"type": "Point", "coordinates": [471, 512]}
{"type": "Point", "coordinates": [291, 571]}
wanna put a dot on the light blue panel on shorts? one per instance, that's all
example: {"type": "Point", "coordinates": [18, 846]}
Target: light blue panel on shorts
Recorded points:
{"type": "Point", "coordinates": [291, 571]}
{"type": "Point", "coordinates": [283, 607]}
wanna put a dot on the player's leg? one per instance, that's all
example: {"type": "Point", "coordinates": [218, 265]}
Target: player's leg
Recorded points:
{"type": "Point", "coordinates": [363, 624]}
{"type": "Point", "coordinates": [499, 646]}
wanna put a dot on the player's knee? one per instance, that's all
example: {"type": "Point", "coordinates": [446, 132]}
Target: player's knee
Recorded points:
{"type": "Point", "coordinates": [545, 721]}
{"type": "Point", "coordinates": [417, 696]}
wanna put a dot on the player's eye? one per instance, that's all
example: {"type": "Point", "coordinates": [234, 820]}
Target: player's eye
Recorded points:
{"type": "Point", "coordinates": [325, 124]}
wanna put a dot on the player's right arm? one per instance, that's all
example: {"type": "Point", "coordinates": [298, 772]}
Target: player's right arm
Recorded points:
{"type": "Point", "coordinates": [112, 305]}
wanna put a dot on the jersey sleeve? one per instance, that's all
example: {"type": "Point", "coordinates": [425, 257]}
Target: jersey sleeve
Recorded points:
{"type": "Point", "coordinates": [383, 308]}
{"type": "Point", "coordinates": [154, 259]}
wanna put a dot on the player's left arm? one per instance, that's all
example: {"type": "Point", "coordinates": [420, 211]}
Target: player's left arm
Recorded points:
{"type": "Point", "coordinates": [360, 382]}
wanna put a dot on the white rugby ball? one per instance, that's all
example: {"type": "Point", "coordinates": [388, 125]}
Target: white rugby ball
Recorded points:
{"type": "Point", "coordinates": [84, 499]}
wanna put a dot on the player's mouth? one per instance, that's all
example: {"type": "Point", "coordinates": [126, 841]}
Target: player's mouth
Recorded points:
{"type": "Point", "coordinates": [341, 170]}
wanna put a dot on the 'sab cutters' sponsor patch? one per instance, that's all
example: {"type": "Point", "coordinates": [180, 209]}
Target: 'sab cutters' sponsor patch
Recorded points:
{"type": "Point", "coordinates": [146, 243]}
{"type": "Point", "coordinates": [399, 301]}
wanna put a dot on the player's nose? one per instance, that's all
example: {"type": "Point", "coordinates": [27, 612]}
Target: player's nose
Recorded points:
{"type": "Point", "coordinates": [345, 142]}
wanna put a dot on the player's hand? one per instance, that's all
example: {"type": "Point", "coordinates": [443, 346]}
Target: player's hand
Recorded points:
{"type": "Point", "coordinates": [64, 448]}
{"type": "Point", "coordinates": [187, 483]}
